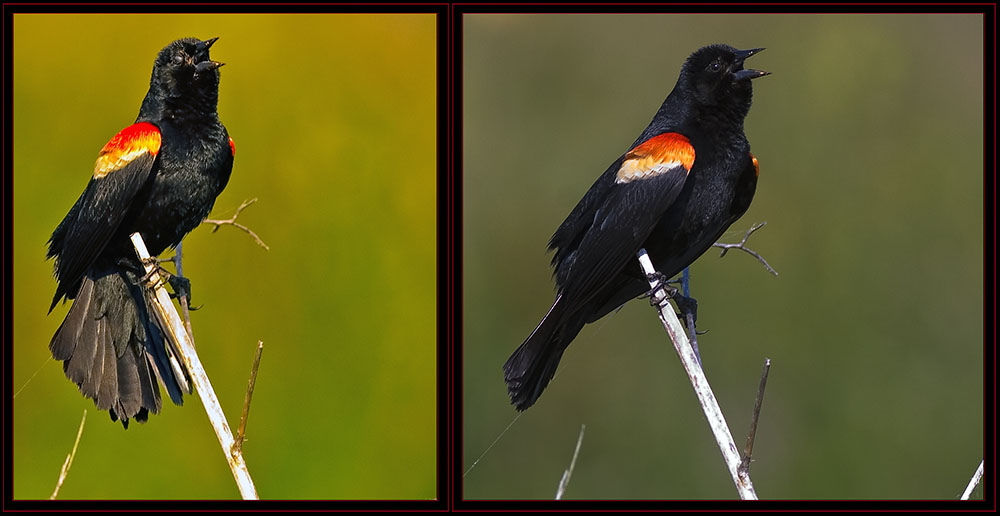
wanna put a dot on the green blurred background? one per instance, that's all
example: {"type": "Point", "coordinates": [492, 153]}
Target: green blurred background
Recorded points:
{"type": "Point", "coordinates": [334, 118]}
{"type": "Point", "coordinates": [870, 140]}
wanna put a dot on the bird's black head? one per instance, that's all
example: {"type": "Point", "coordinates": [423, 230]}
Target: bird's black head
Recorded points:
{"type": "Point", "coordinates": [185, 64]}
{"type": "Point", "coordinates": [714, 76]}
{"type": "Point", "coordinates": [185, 80]}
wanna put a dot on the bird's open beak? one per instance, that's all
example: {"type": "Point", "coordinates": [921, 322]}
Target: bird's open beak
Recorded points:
{"type": "Point", "coordinates": [207, 65]}
{"type": "Point", "coordinates": [741, 56]}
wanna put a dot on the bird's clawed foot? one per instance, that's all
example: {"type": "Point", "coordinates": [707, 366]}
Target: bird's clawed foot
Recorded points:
{"type": "Point", "coordinates": [179, 284]}
{"type": "Point", "coordinates": [662, 293]}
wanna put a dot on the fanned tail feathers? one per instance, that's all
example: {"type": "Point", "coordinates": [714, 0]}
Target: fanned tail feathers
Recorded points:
{"type": "Point", "coordinates": [530, 368]}
{"type": "Point", "coordinates": [114, 351]}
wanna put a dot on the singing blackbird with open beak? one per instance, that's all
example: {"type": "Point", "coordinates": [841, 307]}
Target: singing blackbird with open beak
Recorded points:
{"type": "Point", "coordinates": [684, 181]}
{"type": "Point", "coordinates": [159, 176]}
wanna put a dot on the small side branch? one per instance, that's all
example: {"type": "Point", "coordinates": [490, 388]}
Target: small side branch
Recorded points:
{"type": "Point", "coordinates": [706, 397]}
{"type": "Point", "coordinates": [242, 431]}
{"type": "Point", "coordinates": [572, 464]}
{"type": "Point", "coordinates": [748, 451]}
{"type": "Point", "coordinates": [742, 247]}
{"type": "Point", "coordinates": [199, 377]}
{"type": "Point", "coordinates": [976, 477]}
{"type": "Point", "coordinates": [232, 221]}
{"type": "Point", "coordinates": [72, 453]}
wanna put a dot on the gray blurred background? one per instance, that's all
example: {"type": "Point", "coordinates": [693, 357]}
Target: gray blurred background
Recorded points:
{"type": "Point", "coordinates": [870, 140]}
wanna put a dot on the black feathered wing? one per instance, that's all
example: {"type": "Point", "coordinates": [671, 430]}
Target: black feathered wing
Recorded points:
{"type": "Point", "coordinates": [633, 198]}
{"type": "Point", "coordinates": [620, 226]}
{"type": "Point", "coordinates": [123, 168]}
{"type": "Point", "coordinates": [593, 245]}
{"type": "Point", "coordinates": [110, 343]}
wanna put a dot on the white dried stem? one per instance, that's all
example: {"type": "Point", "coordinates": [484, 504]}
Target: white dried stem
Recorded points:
{"type": "Point", "coordinates": [69, 458]}
{"type": "Point", "coordinates": [572, 464]}
{"type": "Point", "coordinates": [706, 398]}
{"type": "Point", "coordinates": [199, 377]}
{"type": "Point", "coordinates": [976, 477]}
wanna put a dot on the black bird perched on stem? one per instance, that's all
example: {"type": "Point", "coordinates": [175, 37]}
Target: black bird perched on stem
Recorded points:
{"type": "Point", "coordinates": [675, 191]}
{"type": "Point", "coordinates": [160, 177]}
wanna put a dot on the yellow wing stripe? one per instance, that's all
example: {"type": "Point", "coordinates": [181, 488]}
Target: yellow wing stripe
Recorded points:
{"type": "Point", "coordinates": [655, 156]}
{"type": "Point", "coordinates": [132, 142]}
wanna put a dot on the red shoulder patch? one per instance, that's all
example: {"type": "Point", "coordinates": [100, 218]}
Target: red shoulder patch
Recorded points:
{"type": "Point", "coordinates": [655, 156]}
{"type": "Point", "coordinates": [232, 145]}
{"type": "Point", "coordinates": [132, 142]}
{"type": "Point", "coordinates": [756, 167]}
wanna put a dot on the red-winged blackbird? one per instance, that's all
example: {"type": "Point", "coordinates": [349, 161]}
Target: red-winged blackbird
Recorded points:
{"type": "Point", "coordinates": [686, 178]}
{"type": "Point", "coordinates": [160, 177]}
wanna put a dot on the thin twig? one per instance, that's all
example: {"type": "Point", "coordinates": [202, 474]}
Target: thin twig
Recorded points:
{"type": "Point", "coordinates": [241, 431]}
{"type": "Point", "coordinates": [706, 397]}
{"type": "Point", "coordinates": [741, 246]}
{"type": "Point", "coordinates": [174, 326]}
{"type": "Point", "coordinates": [976, 477]}
{"type": "Point", "coordinates": [569, 472]}
{"type": "Point", "coordinates": [748, 451]}
{"type": "Point", "coordinates": [69, 458]}
{"type": "Point", "coordinates": [232, 221]}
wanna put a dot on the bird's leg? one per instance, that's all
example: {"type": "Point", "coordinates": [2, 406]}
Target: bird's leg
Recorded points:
{"type": "Point", "coordinates": [179, 284]}
{"type": "Point", "coordinates": [139, 269]}
{"type": "Point", "coordinates": [181, 287]}
{"type": "Point", "coordinates": [688, 306]}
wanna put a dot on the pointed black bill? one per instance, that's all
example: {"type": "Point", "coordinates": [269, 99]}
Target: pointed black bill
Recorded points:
{"type": "Point", "coordinates": [201, 48]}
{"type": "Point", "coordinates": [742, 55]}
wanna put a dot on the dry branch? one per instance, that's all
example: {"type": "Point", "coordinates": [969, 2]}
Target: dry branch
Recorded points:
{"type": "Point", "coordinates": [752, 434]}
{"type": "Point", "coordinates": [242, 431]}
{"type": "Point", "coordinates": [572, 464]}
{"type": "Point", "coordinates": [706, 397]}
{"type": "Point", "coordinates": [976, 477]}
{"type": "Point", "coordinates": [69, 458]}
{"type": "Point", "coordinates": [232, 221]}
{"type": "Point", "coordinates": [742, 247]}
{"type": "Point", "coordinates": [199, 377]}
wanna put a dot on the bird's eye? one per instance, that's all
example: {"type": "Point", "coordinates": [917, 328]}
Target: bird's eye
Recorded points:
{"type": "Point", "coordinates": [715, 66]}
